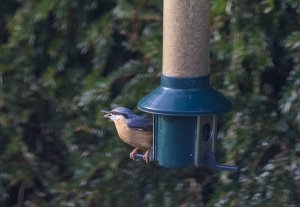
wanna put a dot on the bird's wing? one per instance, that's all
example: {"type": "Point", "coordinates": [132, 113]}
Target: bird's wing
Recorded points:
{"type": "Point", "coordinates": [140, 123]}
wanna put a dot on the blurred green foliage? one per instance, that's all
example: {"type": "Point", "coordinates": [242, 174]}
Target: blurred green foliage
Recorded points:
{"type": "Point", "coordinates": [61, 61]}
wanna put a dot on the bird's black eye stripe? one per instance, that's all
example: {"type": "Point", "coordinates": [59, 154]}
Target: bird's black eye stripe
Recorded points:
{"type": "Point", "coordinates": [117, 113]}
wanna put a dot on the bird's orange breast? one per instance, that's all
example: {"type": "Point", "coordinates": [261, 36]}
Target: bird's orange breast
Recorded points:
{"type": "Point", "coordinates": [137, 138]}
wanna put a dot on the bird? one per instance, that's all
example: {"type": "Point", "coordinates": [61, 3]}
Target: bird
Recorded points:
{"type": "Point", "coordinates": [132, 129]}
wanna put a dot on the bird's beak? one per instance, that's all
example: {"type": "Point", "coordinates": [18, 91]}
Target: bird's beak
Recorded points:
{"type": "Point", "coordinates": [108, 113]}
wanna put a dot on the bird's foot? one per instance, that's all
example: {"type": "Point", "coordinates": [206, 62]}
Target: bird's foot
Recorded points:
{"type": "Point", "coordinates": [146, 156]}
{"type": "Point", "coordinates": [133, 153]}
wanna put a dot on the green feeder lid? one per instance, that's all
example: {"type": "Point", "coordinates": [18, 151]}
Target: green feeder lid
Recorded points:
{"type": "Point", "coordinates": [184, 97]}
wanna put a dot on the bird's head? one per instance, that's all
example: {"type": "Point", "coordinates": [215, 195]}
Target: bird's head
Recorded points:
{"type": "Point", "coordinates": [117, 113]}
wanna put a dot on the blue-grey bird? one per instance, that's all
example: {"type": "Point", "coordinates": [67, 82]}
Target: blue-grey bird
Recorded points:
{"type": "Point", "coordinates": [133, 129]}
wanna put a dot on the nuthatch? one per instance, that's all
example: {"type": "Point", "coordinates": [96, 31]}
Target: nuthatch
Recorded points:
{"type": "Point", "coordinates": [133, 129]}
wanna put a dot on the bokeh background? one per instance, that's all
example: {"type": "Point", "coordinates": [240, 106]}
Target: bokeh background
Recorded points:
{"type": "Point", "coordinates": [61, 61]}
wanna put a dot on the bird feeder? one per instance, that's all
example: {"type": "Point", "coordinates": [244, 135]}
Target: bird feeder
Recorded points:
{"type": "Point", "coordinates": [185, 108]}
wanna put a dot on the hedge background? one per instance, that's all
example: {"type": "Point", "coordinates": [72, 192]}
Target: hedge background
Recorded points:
{"type": "Point", "coordinates": [61, 61]}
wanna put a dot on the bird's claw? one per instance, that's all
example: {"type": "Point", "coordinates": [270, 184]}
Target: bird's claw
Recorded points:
{"type": "Point", "coordinates": [133, 153]}
{"type": "Point", "coordinates": [146, 156]}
